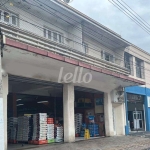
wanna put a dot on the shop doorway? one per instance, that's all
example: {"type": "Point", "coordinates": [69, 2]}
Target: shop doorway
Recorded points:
{"type": "Point", "coordinates": [138, 120]}
{"type": "Point", "coordinates": [89, 113]}
{"type": "Point", "coordinates": [136, 113]}
{"type": "Point", "coordinates": [35, 112]}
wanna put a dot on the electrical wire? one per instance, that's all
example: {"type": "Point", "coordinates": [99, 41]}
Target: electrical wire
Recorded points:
{"type": "Point", "coordinates": [136, 18]}
{"type": "Point", "coordinates": [136, 13]}
{"type": "Point", "coordinates": [2, 4]}
{"type": "Point", "coordinates": [130, 16]}
{"type": "Point", "coordinates": [78, 22]}
{"type": "Point", "coordinates": [42, 28]}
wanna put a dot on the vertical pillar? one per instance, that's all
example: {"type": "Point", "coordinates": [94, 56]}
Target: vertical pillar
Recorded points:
{"type": "Point", "coordinates": [5, 93]}
{"type": "Point", "coordinates": [68, 113]}
{"type": "Point", "coordinates": [120, 119]}
{"type": "Point", "coordinates": [108, 115]}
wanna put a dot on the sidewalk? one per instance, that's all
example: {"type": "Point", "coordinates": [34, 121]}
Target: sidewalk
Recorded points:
{"type": "Point", "coordinates": [109, 143]}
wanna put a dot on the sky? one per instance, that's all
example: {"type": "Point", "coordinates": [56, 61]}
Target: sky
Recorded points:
{"type": "Point", "coordinates": [108, 15]}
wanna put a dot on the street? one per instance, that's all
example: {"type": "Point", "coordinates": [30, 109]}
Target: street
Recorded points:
{"type": "Point", "coordinates": [109, 143]}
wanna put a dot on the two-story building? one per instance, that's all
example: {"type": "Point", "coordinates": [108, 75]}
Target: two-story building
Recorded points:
{"type": "Point", "coordinates": [41, 42]}
{"type": "Point", "coordinates": [137, 97]}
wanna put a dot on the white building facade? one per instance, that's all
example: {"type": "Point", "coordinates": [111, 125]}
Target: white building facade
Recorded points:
{"type": "Point", "coordinates": [38, 38]}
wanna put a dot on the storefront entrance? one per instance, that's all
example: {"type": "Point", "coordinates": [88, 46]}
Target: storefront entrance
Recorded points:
{"type": "Point", "coordinates": [138, 120]}
{"type": "Point", "coordinates": [136, 112]}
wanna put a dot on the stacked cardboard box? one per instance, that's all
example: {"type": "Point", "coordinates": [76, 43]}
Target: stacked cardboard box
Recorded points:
{"type": "Point", "coordinates": [78, 123]}
{"type": "Point", "coordinates": [50, 130]}
{"type": "Point", "coordinates": [12, 128]}
{"type": "Point", "coordinates": [58, 133]}
{"type": "Point", "coordinates": [39, 127]}
{"type": "Point", "coordinates": [24, 129]}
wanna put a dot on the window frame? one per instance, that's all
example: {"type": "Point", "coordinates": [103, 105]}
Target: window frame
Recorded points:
{"type": "Point", "coordinates": [139, 68]}
{"type": "Point", "coordinates": [10, 21]}
{"type": "Point", "coordinates": [85, 47]}
{"type": "Point", "coordinates": [128, 62]}
{"type": "Point", "coordinates": [111, 56]}
{"type": "Point", "coordinates": [58, 35]}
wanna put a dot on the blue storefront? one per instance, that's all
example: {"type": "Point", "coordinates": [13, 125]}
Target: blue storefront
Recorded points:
{"type": "Point", "coordinates": [145, 94]}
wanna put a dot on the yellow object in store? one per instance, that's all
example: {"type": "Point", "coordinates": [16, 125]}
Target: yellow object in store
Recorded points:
{"type": "Point", "coordinates": [87, 134]}
{"type": "Point", "coordinates": [87, 100]}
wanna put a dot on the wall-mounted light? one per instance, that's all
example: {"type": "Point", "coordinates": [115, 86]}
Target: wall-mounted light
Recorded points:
{"type": "Point", "coordinates": [11, 4]}
{"type": "Point", "coordinates": [18, 100]}
{"type": "Point", "coordinates": [20, 105]}
{"type": "Point", "coordinates": [42, 102]}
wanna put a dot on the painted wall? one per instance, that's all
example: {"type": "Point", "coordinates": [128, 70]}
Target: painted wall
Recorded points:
{"type": "Point", "coordinates": [141, 91]}
{"type": "Point", "coordinates": [145, 56]}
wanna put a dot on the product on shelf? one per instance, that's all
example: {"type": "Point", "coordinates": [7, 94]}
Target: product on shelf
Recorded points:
{"type": "Point", "coordinates": [50, 130]}
{"type": "Point", "coordinates": [78, 123]}
{"type": "Point", "coordinates": [83, 127]}
{"type": "Point", "coordinates": [12, 128]}
{"type": "Point", "coordinates": [59, 132]}
{"type": "Point", "coordinates": [39, 127]}
{"type": "Point", "coordinates": [24, 129]}
{"type": "Point", "coordinates": [94, 129]}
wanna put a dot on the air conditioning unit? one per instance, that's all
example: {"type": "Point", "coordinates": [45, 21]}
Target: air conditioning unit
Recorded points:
{"type": "Point", "coordinates": [117, 95]}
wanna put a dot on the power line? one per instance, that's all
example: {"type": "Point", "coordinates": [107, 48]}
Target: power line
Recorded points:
{"type": "Point", "coordinates": [74, 41]}
{"type": "Point", "coordinates": [2, 4]}
{"type": "Point", "coordinates": [136, 13]}
{"type": "Point", "coordinates": [136, 18]}
{"type": "Point", "coordinates": [129, 15]}
{"type": "Point", "coordinates": [70, 18]}
{"type": "Point", "coordinates": [71, 34]}
{"type": "Point", "coordinates": [47, 10]}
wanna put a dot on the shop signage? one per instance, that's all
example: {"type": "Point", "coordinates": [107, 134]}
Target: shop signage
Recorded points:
{"type": "Point", "coordinates": [77, 77]}
{"type": "Point", "coordinates": [148, 101]}
{"type": "Point", "coordinates": [134, 97]}
{"type": "Point", "coordinates": [99, 101]}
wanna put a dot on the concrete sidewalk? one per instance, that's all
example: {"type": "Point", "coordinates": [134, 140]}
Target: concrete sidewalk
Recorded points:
{"type": "Point", "coordinates": [109, 143]}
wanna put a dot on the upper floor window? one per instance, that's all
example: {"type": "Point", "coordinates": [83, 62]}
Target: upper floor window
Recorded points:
{"type": "Point", "coordinates": [128, 62]}
{"type": "Point", "coordinates": [53, 35]}
{"type": "Point", "coordinates": [139, 68]}
{"type": "Point", "coordinates": [8, 18]}
{"type": "Point", "coordinates": [107, 56]}
{"type": "Point", "coordinates": [85, 47]}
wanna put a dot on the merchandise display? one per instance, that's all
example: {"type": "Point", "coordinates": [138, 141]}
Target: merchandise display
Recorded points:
{"type": "Point", "coordinates": [83, 127]}
{"type": "Point", "coordinates": [39, 127]}
{"type": "Point", "coordinates": [94, 130]}
{"type": "Point", "coordinates": [59, 133]}
{"type": "Point", "coordinates": [24, 129]}
{"type": "Point", "coordinates": [78, 123]}
{"type": "Point", "coordinates": [12, 128]}
{"type": "Point", "coordinates": [50, 130]}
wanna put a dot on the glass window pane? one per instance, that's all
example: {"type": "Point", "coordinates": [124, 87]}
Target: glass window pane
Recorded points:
{"type": "Point", "coordinates": [14, 20]}
{"type": "Point", "coordinates": [49, 34]}
{"type": "Point", "coordinates": [44, 32]}
{"type": "Point", "coordinates": [54, 36]}
{"type": "Point", "coordinates": [6, 17]}
{"type": "Point", "coordinates": [60, 38]}
{"type": "Point", "coordinates": [107, 57]}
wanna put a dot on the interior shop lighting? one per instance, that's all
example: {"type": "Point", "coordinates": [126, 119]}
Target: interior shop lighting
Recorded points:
{"type": "Point", "coordinates": [42, 102]}
{"type": "Point", "coordinates": [11, 4]}
{"type": "Point", "coordinates": [18, 99]}
{"type": "Point", "coordinates": [20, 104]}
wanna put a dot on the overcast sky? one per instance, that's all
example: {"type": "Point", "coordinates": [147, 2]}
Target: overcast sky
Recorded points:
{"type": "Point", "coordinates": [107, 14]}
